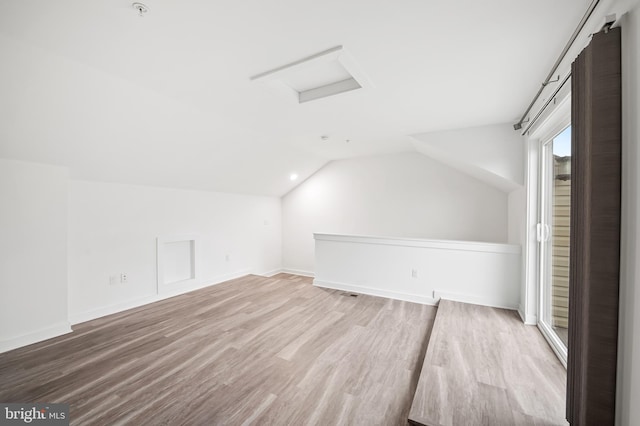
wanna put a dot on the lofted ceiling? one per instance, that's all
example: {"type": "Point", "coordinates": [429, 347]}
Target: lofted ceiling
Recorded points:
{"type": "Point", "coordinates": [167, 99]}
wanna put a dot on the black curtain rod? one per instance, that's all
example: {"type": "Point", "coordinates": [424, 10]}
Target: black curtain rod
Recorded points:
{"type": "Point", "coordinates": [573, 38]}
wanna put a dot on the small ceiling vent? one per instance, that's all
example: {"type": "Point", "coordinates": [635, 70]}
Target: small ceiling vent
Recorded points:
{"type": "Point", "coordinates": [324, 74]}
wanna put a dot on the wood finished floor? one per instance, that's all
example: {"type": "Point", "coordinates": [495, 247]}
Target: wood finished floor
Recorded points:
{"type": "Point", "coordinates": [483, 366]}
{"type": "Point", "coordinates": [249, 351]}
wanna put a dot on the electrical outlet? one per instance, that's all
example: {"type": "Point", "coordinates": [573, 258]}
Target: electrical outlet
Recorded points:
{"type": "Point", "coordinates": [113, 279]}
{"type": "Point", "coordinates": [414, 273]}
{"type": "Point", "coordinates": [123, 278]}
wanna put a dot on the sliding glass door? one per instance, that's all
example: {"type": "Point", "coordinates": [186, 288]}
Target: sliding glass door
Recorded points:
{"type": "Point", "coordinates": [553, 234]}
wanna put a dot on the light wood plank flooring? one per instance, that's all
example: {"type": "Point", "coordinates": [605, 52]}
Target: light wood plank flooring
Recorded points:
{"type": "Point", "coordinates": [485, 367]}
{"type": "Point", "coordinates": [249, 351]}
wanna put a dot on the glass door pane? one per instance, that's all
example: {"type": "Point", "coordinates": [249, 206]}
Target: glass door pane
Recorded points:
{"type": "Point", "coordinates": [554, 235]}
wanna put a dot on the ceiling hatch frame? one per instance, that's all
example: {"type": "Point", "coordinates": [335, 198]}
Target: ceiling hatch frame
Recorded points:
{"type": "Point", "coordinates": [295, 80]}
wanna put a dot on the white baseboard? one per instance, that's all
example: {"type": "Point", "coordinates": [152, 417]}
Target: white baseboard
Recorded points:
{"type": "Point", "coordinates": [425, 300]}
{"type": "Point", "coordinates": [182, 289]}
{"type": "Point", "coordinates": [271, 273]}
{"type": "Point", "coordinates": [300, 272]}
{"type": "Point", "coordinates": [35, 337]}
{"type": "Point", "coordinates": [103, 311]}
{"type": "Point", "coordinates": [416, 298]}
{"type": "Point", "coordinates": [475, 300]}
{"type": "Point", "coordinates": [527, 319]}
{"type": "Point", "coordinates": [291, 271]}
{"type": "Point", "coordinates": [521, 314]}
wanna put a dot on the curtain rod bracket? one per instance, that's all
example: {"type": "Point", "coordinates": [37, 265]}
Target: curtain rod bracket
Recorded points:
{"type": "Point", "coordinates": [551, 81]}
{"type": "Point", "coordinates": [518, 126]}
{"type": "Point", "coordinates": [564, 52]}
{"type": "Point", "coordinates": [609, 22]}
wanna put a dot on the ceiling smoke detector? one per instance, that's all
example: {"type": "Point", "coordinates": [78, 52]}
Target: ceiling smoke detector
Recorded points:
{"type": "Point", "coordinates": [324, 74]}
{"type": "Point", "coordinates": [141, 8]}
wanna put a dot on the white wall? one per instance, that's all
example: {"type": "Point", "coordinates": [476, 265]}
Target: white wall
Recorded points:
{"type": "Point", "coordinates": [113, 230]}
{"type": "Point", "coordinates": [529, 286]}
{"type": "Point", "coordinates": [421, 271]}
{"type": "Point", "coordinates": [517, 226]}
{"type": "Point", "coordinates": [491, 153]}
{"type": "Point", "coordinates": [517, 205]}
{"type": "Point", "coordinates": [397, 195]}
{"type": "Point", "coordinates": [628, 395]}
{"type": "Point", "coordinates": [33, 253]}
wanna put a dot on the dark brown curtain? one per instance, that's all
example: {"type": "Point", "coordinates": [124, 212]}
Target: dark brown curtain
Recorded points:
{"type": "Point", "coordinates": [595, 231]}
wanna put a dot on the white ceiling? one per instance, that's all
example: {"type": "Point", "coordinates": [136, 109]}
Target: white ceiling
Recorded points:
{"type": "Point", "coordinates": [167, 100]}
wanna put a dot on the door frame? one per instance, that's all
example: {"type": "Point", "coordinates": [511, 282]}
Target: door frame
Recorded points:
{"type": "Point", "coordinates": [546, 209]}
{"type": "Point", "coordinates": [555, 120]}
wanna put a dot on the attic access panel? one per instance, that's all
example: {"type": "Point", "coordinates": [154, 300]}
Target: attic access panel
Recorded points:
{"type": "Point", "coordinates": [324, 74]}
